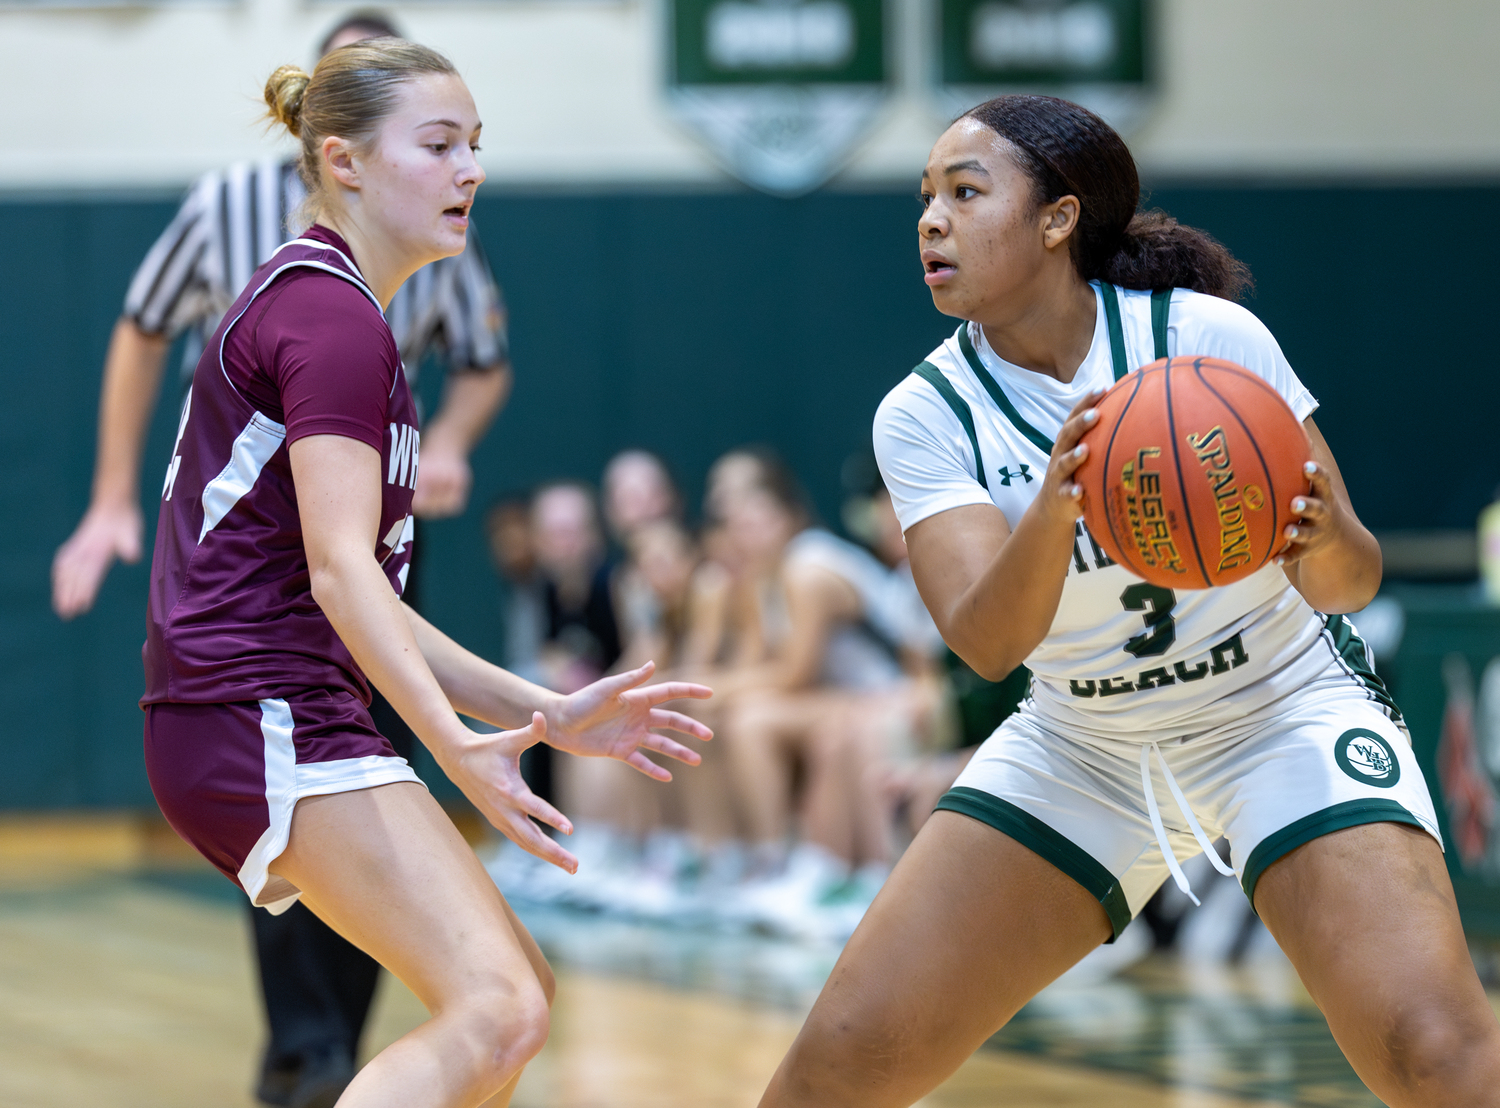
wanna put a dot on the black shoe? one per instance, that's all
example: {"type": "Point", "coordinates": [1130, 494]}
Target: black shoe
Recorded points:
{"type": "Point", "coordinates": [321, 1081]}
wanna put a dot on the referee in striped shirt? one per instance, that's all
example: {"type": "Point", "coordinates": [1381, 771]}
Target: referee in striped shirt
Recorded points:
{"type": "Point", "coordinates": [317, 987]}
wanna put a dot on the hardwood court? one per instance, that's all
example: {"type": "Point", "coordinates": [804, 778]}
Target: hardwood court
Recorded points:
{"type": "Point", "coordinates": [126, 982]}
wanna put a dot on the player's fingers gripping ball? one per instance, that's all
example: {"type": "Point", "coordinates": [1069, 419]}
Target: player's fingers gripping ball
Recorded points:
{"type": "Point", "coordinates": [1191, 470]}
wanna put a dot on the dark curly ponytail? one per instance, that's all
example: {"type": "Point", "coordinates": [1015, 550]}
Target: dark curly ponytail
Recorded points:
{"type": "Point", "coordinates": [1068, 150]}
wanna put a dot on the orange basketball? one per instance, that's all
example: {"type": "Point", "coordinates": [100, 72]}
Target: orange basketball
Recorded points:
{"type": "Point", "coordinates": [1191, 471]}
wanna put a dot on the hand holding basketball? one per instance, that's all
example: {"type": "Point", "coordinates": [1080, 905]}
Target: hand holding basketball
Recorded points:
{"type": "Point", "coordinates": [1061, 493]}
{"type": "Point", "coordinates": [1317, 519]}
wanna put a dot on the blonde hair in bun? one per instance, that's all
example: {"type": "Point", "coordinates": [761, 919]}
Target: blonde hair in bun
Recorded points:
{"type": "Point", "coordinates": [284, 92]}
{"type": "Point", "coordinates": [349, 95]}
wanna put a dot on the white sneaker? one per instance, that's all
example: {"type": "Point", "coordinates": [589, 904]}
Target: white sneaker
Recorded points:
{"type": "Point", "coordinates": [603, 856]}
{"type": "Point", "coordinates": [785, 905]}
{"type": "Point", "coordinates": [840, 909]}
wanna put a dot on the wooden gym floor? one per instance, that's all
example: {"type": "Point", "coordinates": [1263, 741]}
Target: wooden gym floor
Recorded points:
{"type": "Point", "coordinates": [126, 982]}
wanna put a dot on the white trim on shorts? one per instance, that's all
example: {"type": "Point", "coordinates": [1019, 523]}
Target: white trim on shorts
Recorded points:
{"type": "Point", "coordinates": [287, 783]}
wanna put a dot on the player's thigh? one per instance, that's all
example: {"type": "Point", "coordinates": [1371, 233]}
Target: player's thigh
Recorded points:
{"type": "Point", "coordinates": [970, 925]}
{"type": "Point", "coordinates": [387, 869]}
{"type": "Point", "coordinates": [1368, 917]}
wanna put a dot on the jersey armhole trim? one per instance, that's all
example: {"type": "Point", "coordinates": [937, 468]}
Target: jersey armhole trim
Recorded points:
{"type": "Point", "coordinates": [1339, 817]}
{"type": "Point", "coordinates": [1161, 307]}
{"type": "Point", "coordinates": [302, 263]}
{"type": "Point", "coordinates": [997, 394]}
{"type": "Point", "coordinates": [1116, 329]}
{"type": "Point", "coordinates": [934, 377]}
{"type": "Point", "coordinates": [1046, 843]}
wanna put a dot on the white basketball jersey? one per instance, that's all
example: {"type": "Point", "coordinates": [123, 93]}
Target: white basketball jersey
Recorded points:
{"type": "Point", "coordinates": [1123, 659]}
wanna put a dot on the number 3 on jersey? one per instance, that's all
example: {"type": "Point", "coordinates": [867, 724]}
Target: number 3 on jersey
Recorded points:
{"type": "Point", "coordinates": [1155, 605]}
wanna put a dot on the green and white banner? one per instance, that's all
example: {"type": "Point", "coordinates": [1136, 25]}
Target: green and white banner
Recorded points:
{"type": "Point", "coordinates": [779, 90]}
{"type": "Point", "coordinates": [1094, 52]}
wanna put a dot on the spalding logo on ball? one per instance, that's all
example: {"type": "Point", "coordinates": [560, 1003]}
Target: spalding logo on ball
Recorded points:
{"type": "Point", "coordinates": [1191, 471]}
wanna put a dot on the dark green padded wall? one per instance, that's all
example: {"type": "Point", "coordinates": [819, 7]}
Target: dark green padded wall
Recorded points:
{"type": "Point", "coordinates": [690, 323]}
{"type": "Point", "coordinates": [73, 737]}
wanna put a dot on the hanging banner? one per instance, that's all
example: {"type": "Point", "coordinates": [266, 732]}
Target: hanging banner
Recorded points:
{"type": "Point", "coordinates": [779, 90]}
{"type": "Point", "coordinates": [1093, 52]}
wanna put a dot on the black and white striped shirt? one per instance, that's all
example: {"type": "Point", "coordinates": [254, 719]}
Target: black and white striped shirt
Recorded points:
{"type": "Point", "coordinates": [234, 219]}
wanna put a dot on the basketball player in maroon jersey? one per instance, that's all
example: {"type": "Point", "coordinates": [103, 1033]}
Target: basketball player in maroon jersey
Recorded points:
{"type": "Point", "coordinates": [281, 554]}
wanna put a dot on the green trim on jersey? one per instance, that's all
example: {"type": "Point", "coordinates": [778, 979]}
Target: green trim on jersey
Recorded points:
{"type": "Point", "coordinates": [1116, 329]}
{"type": "Point", "coordinates": [1045, 842]}
{"type": "Point", "coordinates": [1352, 652]}
{"type": "Point", "coordinates": [997, 394]}
{"type": "Point", "coordinates": [934, 377]}
{"type": "Point", "coordinates": [1161, 304]}
{"type": "Point", "coordinates": [1351, 813]}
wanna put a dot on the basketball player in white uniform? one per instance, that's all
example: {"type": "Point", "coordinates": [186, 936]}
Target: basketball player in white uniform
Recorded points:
{"type": "Point", "coordinates": [1158, 720]}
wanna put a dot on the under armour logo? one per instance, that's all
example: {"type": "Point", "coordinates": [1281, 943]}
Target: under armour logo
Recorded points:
{"type": "Point", "coordinates": [1006, 474]}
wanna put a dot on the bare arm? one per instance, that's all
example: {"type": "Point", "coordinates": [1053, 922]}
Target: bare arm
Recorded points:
{"type": "Point", "coordinates": [338, 483]}
{"type": "Point", "coordinates": [1330, 557]}
{"type": "Point", "coordinates": [816, 599]}
{"type": "Point", "coordinates": [112, 526]}
{"type": "Point", "coordinates": [707, 617]}
{"type": "Point", "coordinates": [471, 400]}
{"type": "Point", "coordinates": [993, 592]}
{"type": "Point", "coordinates": [475, 687]}
{"type": "Point", "coordinates": [748, 646]}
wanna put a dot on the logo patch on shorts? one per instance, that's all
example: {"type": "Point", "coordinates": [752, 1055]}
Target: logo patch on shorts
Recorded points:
{"type": "Point", "coordinates": [1367, 758]}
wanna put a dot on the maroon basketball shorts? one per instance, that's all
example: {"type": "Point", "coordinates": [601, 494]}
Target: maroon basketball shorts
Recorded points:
{"type": "Point", "coordinates": [227, 776]}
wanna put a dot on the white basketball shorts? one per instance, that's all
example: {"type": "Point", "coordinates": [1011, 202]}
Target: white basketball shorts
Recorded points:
{"type": "Point", "coordinates": [1324, 758]}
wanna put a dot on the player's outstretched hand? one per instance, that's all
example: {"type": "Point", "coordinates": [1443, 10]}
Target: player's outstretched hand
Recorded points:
{"type": "Point", "coordinates": [105, 533]}
{"type": "Point", "coordinates": [1060, 493]}
{"type": "Point", "coordinates": [488, 770]}
{"type": "Point", "coordinates": [614, 717]}
{"type": "Point", "coordinates": [1320, 521]}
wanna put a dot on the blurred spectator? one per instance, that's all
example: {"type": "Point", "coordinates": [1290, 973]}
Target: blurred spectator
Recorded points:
{"type": "Point", "coordinates": [638, 488]}
{"type": "Point", "coordinates": [664, 559]}
{"type": "Point", "coordinates": [508, 528]}
{"type": "Point", "coordinates": [641, 842]}
{"type": "Point", "coordinates": [822, 703]}
{"type": "Point", "coordinates": [582, 630]}
{"type": "Point", "coordinates": [581, 642]}
{"type": "Point", "coordinates": [639, 491]}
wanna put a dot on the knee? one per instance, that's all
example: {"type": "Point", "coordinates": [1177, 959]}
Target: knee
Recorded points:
{"type": "Point", "coordinates": [507, 1029]}
{"type": "Point", "coordinates": [1441, 1054]}
{"type": "Point", "coordinates": [524, 1026]}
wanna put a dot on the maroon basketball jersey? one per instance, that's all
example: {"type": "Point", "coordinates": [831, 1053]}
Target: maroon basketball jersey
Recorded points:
{"type": "Point", "coordinates": [305, 350]}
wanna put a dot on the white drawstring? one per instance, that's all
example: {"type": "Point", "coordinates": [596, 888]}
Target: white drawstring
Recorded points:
{"type": "Point", "coordinates": [1187, 813]}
